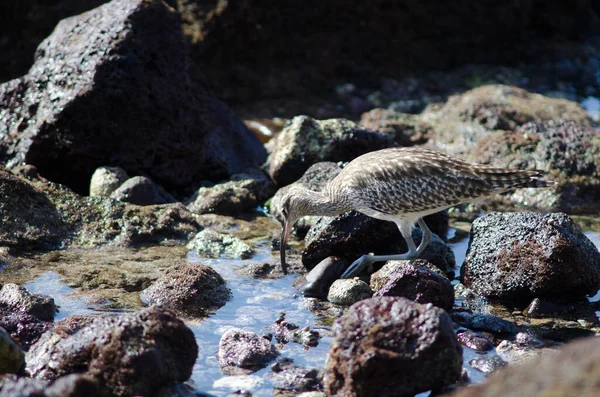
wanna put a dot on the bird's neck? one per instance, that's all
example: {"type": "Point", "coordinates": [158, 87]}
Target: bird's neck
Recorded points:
{"type": "Point", "coordinates": [322, 203]}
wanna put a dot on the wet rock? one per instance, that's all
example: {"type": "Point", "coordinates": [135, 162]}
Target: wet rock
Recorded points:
{"type": "Point", "coordinates": [381, 276]}
{"type": "Point", "coordinates": [478, 341]}
{"type": "Point", "coordinates": [352, 234]}
{"type": "Point", "coordinates": [131, 354]}
{"type": "Point", "coordinates": [72, 324]}
{"type": "Point", "coordinates": [317, 282]}
{"type": "Point", "coordinates": [405, 129]}
{"type": "Point", "coordinates": [106, 180]}
{"type": "Point", "coordinates": [305, 141]}
{"type": "Point", "coordinates": [17, 299]}
{"type": "Point", "coordinates": [516, 257]}
{"type": "Point", "coordinates": [487, 364]}
{"type": "Point", "coordinates": [523, 347]}
{"type": "Point", "coordinates": [242, 194]}
{"type": "Point", "coordinates": [210, 244]}
{"type": "Point", "coordinates": [315, 178]}
{"type": "Point", "coordinates": [68, 121]}
{"type": "Point", "coordinates": [420, 285]}
{"type": "Point", "coordinates": [74, 385]}
{"type": "Point", "coordinates": [12, 358]}
{"type": "Point", "coordinates": [260, 269]}
{"type": "Point", "coordinates": [23, 327]}
{"type": "Point", "coordinates": [142, 190]}
{"type": "Point", "coordinates": [244, 349]}
{"type": "Point", "coordinates": [348, 291]}
{"type": "Point", "coordinates": [392, 346]}
{"type": "Point", "coordinates": [575, 367]}
{"type": "Point", "coordinates": [488, 322]}
{"type": "Point", "coordinates": [286, 332]}
{"type": "Point", "coordinates": [29, 218]}
{"type": "Point", "coordinates": [288, 376]}
{"type": "Point", "coordinates": [195, 290]}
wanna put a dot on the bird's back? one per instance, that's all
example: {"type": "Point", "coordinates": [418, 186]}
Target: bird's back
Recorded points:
{"type": "Point", "coordinates": [399, 181]}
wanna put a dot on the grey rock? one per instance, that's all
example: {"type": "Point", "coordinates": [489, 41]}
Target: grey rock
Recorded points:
{"type": "Point", "coordinates": [244, 349]}
{"type": "Point", "coordinates": [305, 141]}
{"type": "Point", "coordinates": [287, 376]}
{"type": "Point", "coordinates": [487, 364]}
{"type": "Point", "coordinates": [348, 291]}
{"type": "Point", "coordinates": [516, 257]}
{"type": "Point", "coordinates": [488, 322]}
{"type": "Point", "coordinates": [130, 354]}
{"type": "Point", "coordinates": [17, 299]}
{"type": "Point", "coordinates": [142, 190]}
{"type": "Point", "coordinates": [74, 385]}
{"type": "Point", "coordinates": [196, 290]}
{"type": "Point", "coordinates": [392, 346]}
{"type": "Point", "coordinates": [242, 194]}
{"type": "Point", "coordinates": [210, 244]}
{"type": "Point", "coordinates": [106, 180]}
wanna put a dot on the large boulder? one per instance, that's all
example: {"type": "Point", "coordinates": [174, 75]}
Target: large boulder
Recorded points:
{"type": "Point", "coordinates": [516, 257]}
{"type": "Point", "coordinates": [391, 346]}
{"type": "Point", "coordinates": [132, 354]}
{"type": "Point", "coordinates": [114, 86]}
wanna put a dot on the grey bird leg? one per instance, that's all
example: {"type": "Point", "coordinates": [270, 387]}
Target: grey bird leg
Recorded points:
{"type": "Point", "coordinates": [413, 252]}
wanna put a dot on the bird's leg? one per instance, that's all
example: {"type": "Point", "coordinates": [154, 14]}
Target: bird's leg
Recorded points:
{"type": "Point", "coordinates": [425, 240]}
{"type": "Point", "coordinates": [406, 230]}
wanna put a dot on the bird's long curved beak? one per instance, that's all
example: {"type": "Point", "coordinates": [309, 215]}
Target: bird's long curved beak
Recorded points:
{"type": "Point", "coordinates": [287, 227]}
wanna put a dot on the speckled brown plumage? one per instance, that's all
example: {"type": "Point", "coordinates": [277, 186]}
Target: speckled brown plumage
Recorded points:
{"type": "Point", "coordinates": [402, 185]}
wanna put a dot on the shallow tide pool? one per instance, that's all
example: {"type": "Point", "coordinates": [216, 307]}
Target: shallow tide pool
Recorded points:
{"type": "Point", "coordinates": [255, 306]}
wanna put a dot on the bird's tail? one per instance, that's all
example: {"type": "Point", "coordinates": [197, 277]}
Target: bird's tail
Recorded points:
{"type": "Point", "coordinates": [501, 178]}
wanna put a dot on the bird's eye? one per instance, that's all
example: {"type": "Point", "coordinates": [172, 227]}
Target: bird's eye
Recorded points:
{"type": "Point", "coordinates": [284, 211]}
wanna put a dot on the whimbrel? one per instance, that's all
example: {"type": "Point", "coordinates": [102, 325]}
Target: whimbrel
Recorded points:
{"type": "Point", "coordinates": [401, 185]}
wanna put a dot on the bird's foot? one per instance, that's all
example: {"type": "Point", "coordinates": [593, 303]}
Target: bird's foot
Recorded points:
{"type": "Point", "coordinates": [358, 265]}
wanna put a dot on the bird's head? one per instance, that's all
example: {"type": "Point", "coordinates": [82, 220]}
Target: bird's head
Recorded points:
{"type": "Point", "coordinates": [297, 202]}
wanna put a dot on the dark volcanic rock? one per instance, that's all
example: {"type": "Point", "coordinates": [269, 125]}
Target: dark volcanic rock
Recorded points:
{"type": "Point", "coordinates": [287, 376]}
{"type": "Point", "coordinates": [491, 323]}
{"type": "Point", "coordinates": [316, 283]}
{"type": "Point", "coordinates": [420, 285]}
{"type": "Point", "coordinates": [353, 234]}
{"type": "Point", "coordinates": [519, 256]}
{"type": "Point", "coordinates": [12, 357]}
{"type": "Point", "coordinates": [244, 350]}
{"type": "Point", "coordinates": [574, 370]}
{"type": "Point", "coordinates": [142, 190]}
{"type": "Point", "coordinates": [305, 141]}
{"type": "Point", "coordinates": [74, 385]}
{"type": "Point", "coordinates": [478, 341]}
{"type": "Point", "coordinates": [16, 298]}
{"type": "Point", "coordinates": [242, 194]}
{"type": "Point", "coordinates": [132, 354]}
{"type": "Point", "coordinates": [25, 328]}
{"type": "Point", "coordinates": [195, 290]}
{"type": "Point", "coordinates": [392, 347]}
{"type": "Point", "coordinates": [114, 86]}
